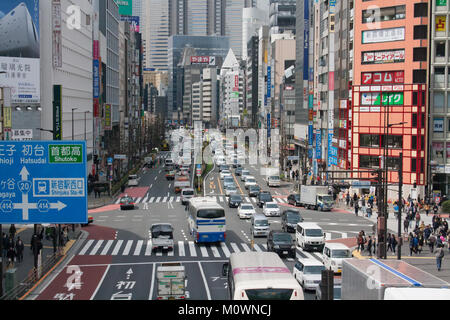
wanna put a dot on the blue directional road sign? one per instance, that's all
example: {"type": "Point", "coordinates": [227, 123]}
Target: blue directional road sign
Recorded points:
{"type": "Point", "coordinates": [43, 182]}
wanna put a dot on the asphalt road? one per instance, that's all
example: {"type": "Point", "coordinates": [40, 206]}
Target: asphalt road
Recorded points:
{"type": "Point", "coordinates": [115, 256]}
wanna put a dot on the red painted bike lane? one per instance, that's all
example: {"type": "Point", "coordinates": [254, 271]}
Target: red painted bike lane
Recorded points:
{"type": "Point", "coordinates": [78, 280]}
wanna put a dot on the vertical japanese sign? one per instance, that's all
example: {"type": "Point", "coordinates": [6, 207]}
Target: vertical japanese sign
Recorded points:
{"type": "Point", "coordinates": [268, 125]}
{"type": "Point", "coordinates": [269, 81]}
{"type": "Point", "coordinates": [57, 112]}
{"type": "Point", "coordinates": [441, 22]}
{"type": "Point", "coordinates": [56, 35]}
{"type": "Point", "coordinates": [125, 7]}
{"type": "Point", "coordinates": [108, 123]}
{"type": "Point", "coordinates": [318, 144]}
{"type": "Point", "coordinates": [20, 49]}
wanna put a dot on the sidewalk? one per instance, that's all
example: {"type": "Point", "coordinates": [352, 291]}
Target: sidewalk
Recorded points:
{"type": "Point", "coordinates": [94, 203]}
{"type": "Point", "coordinates": [23, 268]}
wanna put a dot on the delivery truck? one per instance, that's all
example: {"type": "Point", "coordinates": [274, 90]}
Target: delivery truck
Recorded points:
{"type": "Point", "coordinates": [316, 198]}
{"type": "Point", "coordinates": [171, 279]}
{"type": "Point", "coordinates": [369, 279]}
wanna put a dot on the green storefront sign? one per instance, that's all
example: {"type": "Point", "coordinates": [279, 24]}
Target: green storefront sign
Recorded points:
{"type": "Point", "coordinates": [441, 2]}
{"type": "Point", "coordinates": [393, 99]}
{"type": "Point", "coordinates": [60, 153]}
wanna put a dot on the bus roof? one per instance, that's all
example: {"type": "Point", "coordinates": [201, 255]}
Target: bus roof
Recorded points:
{"type": "Point", "coordinates": [205, 202]}
{"type": "Point", "coordinates": [259, 266]}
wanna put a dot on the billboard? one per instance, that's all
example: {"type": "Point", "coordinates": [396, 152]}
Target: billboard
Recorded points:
{"type": "Point", "coordinates": [383, 35]}
{"type": "Point", "coordinates": [387, 77]}
{"type": "Point", "coordinates": [133, 21]}
{"type": "Point", "coordinates": [125, 7]}
{"type": "Point", "coordinates": [383, 56]}
{"type": "Point", "coordinates": [441, 22]}
{"type": "Point", "coordinates": [19, 49]}
{"type": "Point", "coordinates": [211, 60]}
{"type": "Point", "coordinates": [107, 119]}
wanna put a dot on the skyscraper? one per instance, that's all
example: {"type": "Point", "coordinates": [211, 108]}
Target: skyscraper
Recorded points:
{"type": "Point", "coordinates": [156, 34]}
{"type": "Point", "coordinates": [233, 25]}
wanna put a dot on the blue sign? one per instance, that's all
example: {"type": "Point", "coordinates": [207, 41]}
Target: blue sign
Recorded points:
{"type": "Point", "coordinates": [269, 81]}
{"type": "Point", "coordinates": [96, 76]}
{"type": "Point", "coordinates": [268, 125]}
{"type": "Point", "coordinates": [360, 184]}
{"type": "Point", "coordinates": [43, 182]}
{"type": "Point", "coordinates": [306, 41]}
{"type": "Point", "coordinates": [110, 161]}
{"type": "Point", "coordinates": [318, 144]}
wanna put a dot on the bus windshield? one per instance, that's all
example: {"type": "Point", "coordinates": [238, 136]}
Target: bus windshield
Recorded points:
{"type": "Point", "coordinates": [210, 213]}
{"type": "Point", "coordinates": [269, 294]}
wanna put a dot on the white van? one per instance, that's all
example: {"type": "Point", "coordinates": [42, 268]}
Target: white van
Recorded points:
{"type": "Point", "coordinates": [186, 195]}
{"type": "Point", "coordinates": [133, 180]}
{"type": "Point", "coordinates": [333, 254]}
{"type": "Point", "coordinates": [309, 236]}
{"type": "Point", "coordinates": [308, 273]}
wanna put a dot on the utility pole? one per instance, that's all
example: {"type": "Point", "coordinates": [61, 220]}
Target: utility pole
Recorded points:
{"type": "Point", "coordinates": [400, 207]}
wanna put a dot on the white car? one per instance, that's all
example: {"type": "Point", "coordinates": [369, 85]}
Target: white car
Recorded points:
{"type": "Point", "coordinates": [250, 182]}
{"type": "Point", "coordinates": [246, 210]}
{"type": "Point", "coordinates": [273, 181]}
{"type": "Point", "coordinates": [244, 173]}
{"type": "Point", "coordinates": [133, 180]}
{"type": "Point", "coordinates": [225, 173]}
{"type": "Point", "coordinates": [230, 189]}
{"type": "Point", "coordinates": [308, 273]}
{"type": "Point", "coordinates": [220, 161]}
{"type": "Point", "coordinates": [271, 209]}
{"type": "Point", "coordinates": [248, 177]}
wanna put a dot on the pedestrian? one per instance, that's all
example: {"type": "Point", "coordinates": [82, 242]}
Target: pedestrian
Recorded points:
{"type": "Point", "coordinates": [4, 244]}
{"type": "Point", "coordinates": [293, 175]}
{"type": "Point", "coordinates": [347, 198]}
{"type": "Point", "coordinates": [360, 240]}
{"type": "Point", "coordinates": [369, 210]}
{"type": "Point", "coordinates": [369, 246]}
{"type": "Point", "coordinates": [432, 242]}
{"type": "Point", "coordinates": [411, 243]}
{"type": "Point", "coordinates": [19, 249]}
{"type": "Point", "coordinates": [394, 243]}
{"type": "Point", "coordinates": [363, 206]}
{"type": "Point", "coordinates": [445, 226]}
{"type": "Point", "coordinates": [355, 197]}
{"type": "Point", "coordinates": [12, 230]}
{"type": "Point", "coordinates": [396, 207]}
{"type": "Point", "coordinates": [435, 209]}
{"type": "Point", "coordinates": [406, 225]}
{"type": "Point", "coordinates": [389, 242]}
{"type": "Point", "coordinates": [427, 209]}
{"type": "Point", "coordinates": [427, 232]}
{"type": "Point", "coordinates": [296, 174]}
{"type": "Point", "coordinates": [421, 241]}
{"type": "Point", "coordinates": [356, 208]}
{"type": "Point", "coordinates": [11, 256]}
{"type": "Point", "coordinates": [439, 256]}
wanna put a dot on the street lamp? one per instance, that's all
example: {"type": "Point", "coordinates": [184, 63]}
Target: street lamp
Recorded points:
{"type": "Point", "coordinates": [73, 109]}
{"type": "Point", "coordinates": [86, 112]}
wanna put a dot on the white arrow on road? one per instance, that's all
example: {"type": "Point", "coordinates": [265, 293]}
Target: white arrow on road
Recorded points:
{"type": "Point", "coordinates": [129, 273]}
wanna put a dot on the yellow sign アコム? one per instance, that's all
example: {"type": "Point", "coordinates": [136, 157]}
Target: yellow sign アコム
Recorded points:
{"type": "Point", "coordinates": [441, 23]}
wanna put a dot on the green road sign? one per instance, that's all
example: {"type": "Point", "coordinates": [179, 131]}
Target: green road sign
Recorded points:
{"type": "Point", "coordinates": [69, 153]}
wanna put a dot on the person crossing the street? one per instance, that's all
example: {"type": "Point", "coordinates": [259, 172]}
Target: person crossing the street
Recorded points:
{"type": "Point", "coordinates": [439, 256]}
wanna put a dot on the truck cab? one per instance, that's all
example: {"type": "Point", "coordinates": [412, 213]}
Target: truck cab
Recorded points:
{"type": "Point", "coordinates": [161, 236]}
{"type": "Point", "coordinates": [324, 202]}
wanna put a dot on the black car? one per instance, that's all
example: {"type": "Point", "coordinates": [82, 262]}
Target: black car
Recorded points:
{"type": "Point", "coordinates": [253, 191]}
{"type": "Point", "coordinates": [289, 220]}
{"type": "Point", "coordinates": [236, 164]}
{"type": "Point", "coordinates": [238, 171]}
{"type": "Point", "coordinates": [281, 243]}
{"type": "Point", "coordinates": [224, 167]}
{"type": "Point", "coordinates": [263, 197]}
{"type": "Point", "coordinates": [234, 200]}
{"type": "Point", "coordinates": [294, 199]}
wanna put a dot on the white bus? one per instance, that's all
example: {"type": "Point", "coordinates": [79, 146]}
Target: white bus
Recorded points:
{"type": "Point", "coordinates": [260, 276]}
{"type": "Point", "coordinates": [206, 219]}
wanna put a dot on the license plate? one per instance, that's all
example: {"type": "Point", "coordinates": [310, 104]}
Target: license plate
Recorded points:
{"type": "Point", "coordinates": [339, 271]}
{"type": "Point", "coordinates": [206, 236]}
{"type": "Point", "coordinates": [171, 298]}
{"type": "Point", "coordinates": [285, 252]}
{"type": "Point", "coordinates": [166, 247]}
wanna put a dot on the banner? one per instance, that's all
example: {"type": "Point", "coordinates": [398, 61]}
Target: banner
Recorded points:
{"type": "Point", "coordinates": [385, 56]}
{"type": "Point", "coordinates": [133, 21]}
{"type": "Point", "coordinates": [441, 22]}
{"type": "Point", "coordinates": [383, 35]}
{"type": "Point", "coordinates": [56, 36]}
{"type": "Point", "coordinates": [108, 120]}
{"type": "Point", "coordinates": [20, 49]}
{"type": "Point", "coordinates": [438, 125]}
{"type": "Point", "coordinates": [388, 77]}
{"type": "Point", "coordinates": [318, 144]}
{"type": "Point", "coordinates": [269, 81]}
{"type": "Point", "coordinates": [7, 117]}
{"type": "Point", "coordinates": [96, 79]}
{"type": "Point", "coordinates": [57, 112]}
{"type": "Point", "coordinates": [125, 7]}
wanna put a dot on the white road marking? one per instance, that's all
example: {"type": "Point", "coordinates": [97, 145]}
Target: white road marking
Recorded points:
{"type": "Point", "coordinates": [151, 186]}
{"type": "Point", "coordinates": [215, 251]}
{"type": "Point", "coordinates": [151, 199]}
{"type": "Point", "coordinates": [203, 251]}
{"type": "Point", "coordinates": [327, 235]}
{"type": "Point", "coordinates": [225, 249]}
{"type": "Point", "coordinates": [171, 199]}
{"type": "Point", "coordinates": [178, 199]}
{"type": "Point", "coordinates": [158, 199]}
{"type": "Point", "coordinates": [245, 246]}
{"type": "Point", "coordinates": [257, 248]}
{"type": "Point", "coordinates": [265, 246]}
{"type": "Point", "coordinates": [204, 281]}
{"type": "Point", "coordinates": [235, 247]}
{"type": "Point", "coordinates": [97, 246]}
{"type": "Point", "coordinates": [192, 249]}
{"type": "Point", "coordinates": [181, 252]}
{"type": "Point", "coordinates": [156, 177]}
{"type": "Point", "coordinates": [106, 248]}
{"type": "Point", "coordinates": [138, 200]}
{"type": "Point", "coordinates": [137, 251]}
{"type": "Point", "coordinates": [150, 295]}
{"type": "Point", "coordinates": [164, 199]}
{"type": "Point", "coordinates": [100, 283]}
{"type": "Point", "coordinates": [127, 249]}
{"type": "Point", "coordinates": [148, 248]}
{"type": "Point", "coordinates": [86, 247]}
{"type": "Point", "coordinates": [145, 199]}
{"type": "Point", "coordinates": [169, 185]}
{"type": "Point", "coordinates": [117, 248]}
{"type": "Point", "coordinates": [118, 200]}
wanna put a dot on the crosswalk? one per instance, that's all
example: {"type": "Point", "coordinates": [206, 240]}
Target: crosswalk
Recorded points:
{"type": "Point", "coordinates": [220, 199]}
{"type": "Point", "coordinates": [181, 249]}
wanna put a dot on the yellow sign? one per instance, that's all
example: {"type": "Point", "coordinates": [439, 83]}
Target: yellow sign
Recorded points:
{"type": "Point", "coordinates": [440, 23]}
{"type": "Point", "coordinates": [7, 122]}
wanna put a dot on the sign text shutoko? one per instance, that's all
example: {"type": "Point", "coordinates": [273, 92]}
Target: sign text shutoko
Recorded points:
{"type": "Point", "coordinates": [43, 182]}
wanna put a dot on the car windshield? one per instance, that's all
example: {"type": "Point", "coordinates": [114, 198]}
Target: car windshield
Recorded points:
{"type": "Point", "coordinates": [251, 180]}
{"type": "Point", "coordinates": [340, 253]}
{"type": "Point", "coordinates": [327, 199]}
{"type": "Point", "coordinates": [188, 193]}
{"type": "Point", "coordinates": [228, 179]}
{"type": "Point", "coordinates": [254, 188]}
{"type": "Point", "coordinates": [210, 213]}
{"type": "Point", "coordinates": [272, 206]}
{"type": "Point", "coordinates": [274, 178]}
{"type": "Point", "coordinates": [282, 237]}
{"type": "Point", "coordinates": [293, 217]}
{"type": "Point", "coordinates": [265, 197]}
{"type": "Point", "coordinates": [297, 197]}
{"type": "Point", "coordinates": [247, 207]}
{"type": "Point", "coordinates": [126, 199]}
{"type": "Point", "coordinates": [314, 233]}
{"type": "Point", "coordinates": [245, 172]}
{"type": "Point", "coordinates": [313, 269]}
{"type": "Point", "coordinates": [236, 197]}
{"type": "Point", "coordinates": [162, 231]}
{"type": "Point", "coordinates": [261, 223]}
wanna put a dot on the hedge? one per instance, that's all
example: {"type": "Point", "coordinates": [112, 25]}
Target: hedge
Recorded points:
{"type": "Point", "coordinates": [446, 206]}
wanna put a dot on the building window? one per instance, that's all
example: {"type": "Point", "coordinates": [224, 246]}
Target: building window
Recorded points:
{"type": "Point", "coordinates": [384, 14]}
{"type": "Point", "coordinates": [420, 54]}
{"type": "Point", "coordinates": [420, 32]}
{"type": "Point", "coordinates": [437, 151]}
{"type": "Point", "coordinates": [393, 163]}
{"type": "Point", "coordinates": [414, 120]}
{"type": "Point", "coordinates": [420, 76]}
{"type": "Point", "coordinates": [394, 141]}
{"type": "Point", "coordinates": [369, 161]}
{"type": "Point", "coordinates": [369, 140]}
{"type": "Point", "coordinates": [438, 101]}
{"type": "Point", "coordinates": [440, 49]}
{"type": "Point", "coordinates": [413, 165]}
{"type": "Point", "coordinates": [421, 10]}
{"type": "Point", "coordinates": [439, 77]}
{"type": "Point", "coordinates": [414, 142]}
{"type": "Point", "coordinates": [415, 100]}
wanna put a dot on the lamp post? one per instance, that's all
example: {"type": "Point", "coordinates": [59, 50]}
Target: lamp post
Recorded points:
{"type": "Point", "coordinates": [73, 109]}
{"type": "Point", "coordinates": [1, 227]}
{"type": "Point", "coordinates": [86, 112]}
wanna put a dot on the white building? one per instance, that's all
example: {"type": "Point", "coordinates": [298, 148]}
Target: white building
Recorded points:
{"type": "Point", "coordinates": [75, 75]}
